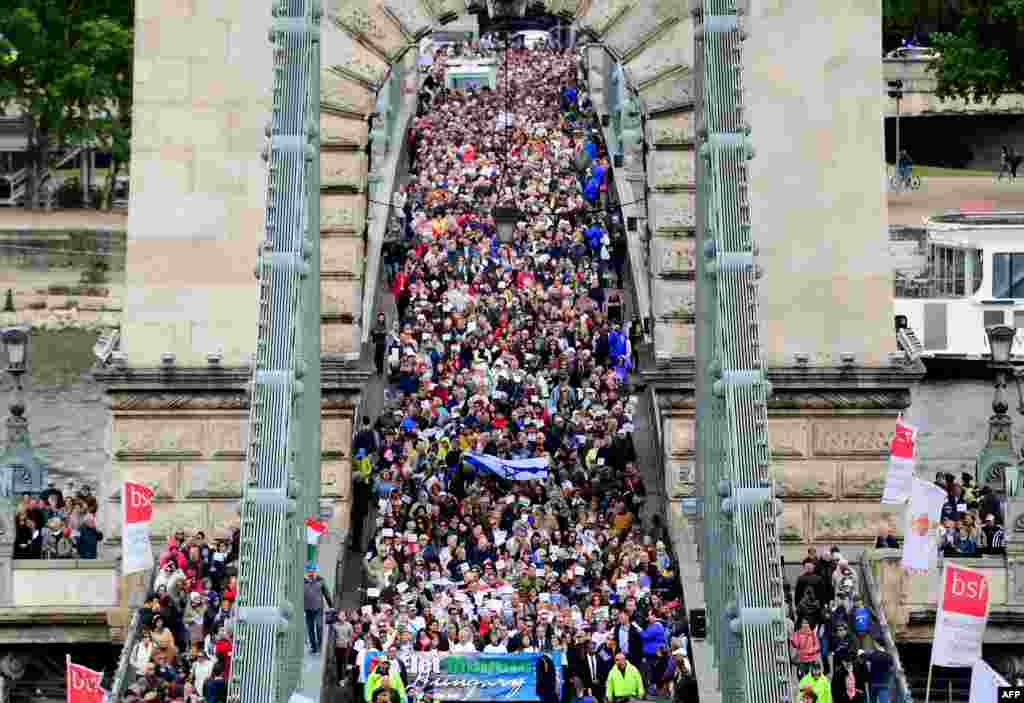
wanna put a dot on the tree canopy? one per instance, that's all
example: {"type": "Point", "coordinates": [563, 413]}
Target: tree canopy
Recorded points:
{"type": "Point", "coordinates": [979, 42]}
{"type": "Point", "coordinates": [69, 69]}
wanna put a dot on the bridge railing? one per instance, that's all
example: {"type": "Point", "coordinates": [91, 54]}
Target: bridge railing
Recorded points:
{"type": "Point", "coordinates": [899, 691]}
{"type": "Point", "coordinates": [125, 671]}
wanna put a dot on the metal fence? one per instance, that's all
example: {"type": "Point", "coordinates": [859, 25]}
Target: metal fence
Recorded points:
{"type": "Point", "coordinates": [125, 673]}
{"type": "Point", "coordinates": [742, 557]}
{"type": "Point", "coordinates": [283, 464]}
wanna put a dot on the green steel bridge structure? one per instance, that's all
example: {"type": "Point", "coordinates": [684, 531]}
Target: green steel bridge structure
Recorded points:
{"type": "Point", "coordinates": [742, 559]}
{"type": "Point", "coordinates": [742, 565]}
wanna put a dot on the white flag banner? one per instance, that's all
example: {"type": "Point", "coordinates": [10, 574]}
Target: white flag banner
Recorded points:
{"type": "Point", "coordinates": [985, 682]}
{"type": "Point", "coordinates": [899, 479]}
{"type": "Point", "coordinates": [922, 516]}
{"type": "Point", "coordinates": [137, 513]}
{"type": "Point", "coordinates": [962, 616]}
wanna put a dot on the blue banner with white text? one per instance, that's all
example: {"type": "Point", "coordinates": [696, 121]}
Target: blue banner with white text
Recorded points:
{"type": "Point", "coordinates": [471, 677]}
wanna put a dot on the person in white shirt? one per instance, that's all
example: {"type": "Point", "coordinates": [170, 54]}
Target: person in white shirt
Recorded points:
{"type": "Point", "coordinates": [143, 653]}
{"type": "Point", "coordinates": [465, 645]}
{"type": "Point", "coordinates": [496, 645]}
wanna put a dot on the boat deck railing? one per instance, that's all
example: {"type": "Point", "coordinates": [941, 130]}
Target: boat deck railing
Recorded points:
{"type": "Point", "coordinates": [929, 286]}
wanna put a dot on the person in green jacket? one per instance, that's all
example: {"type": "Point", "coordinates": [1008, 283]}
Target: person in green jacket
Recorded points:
{"type": "Point", "coordinates": [819, 683]}
{"type": "Point", "coordinates": [624, 681]}
{"type": "Point", "coordinates": [383, 678]}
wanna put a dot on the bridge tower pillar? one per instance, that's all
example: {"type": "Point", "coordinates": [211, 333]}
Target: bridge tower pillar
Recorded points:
{"type": "Point", "coordinates": [178, 390]}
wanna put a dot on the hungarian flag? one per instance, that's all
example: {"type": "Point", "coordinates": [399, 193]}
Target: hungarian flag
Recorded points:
{"type": "Point", "coordinates": [315, 529]}
{"type": "Point", "coordinates": [83, 684]}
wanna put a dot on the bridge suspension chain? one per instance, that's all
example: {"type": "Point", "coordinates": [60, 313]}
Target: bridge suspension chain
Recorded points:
{"type": "Point", "coordinates": [282, 479]}
{"type": "Point", "coordinates": [742, 557]}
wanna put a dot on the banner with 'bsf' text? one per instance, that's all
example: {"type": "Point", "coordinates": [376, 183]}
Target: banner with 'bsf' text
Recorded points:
{"type": "Point", "coordinates": [137, 513]}
{"type": "Point", "coordinates": [962, 616]}
{"type": "Point", "coordinates": [83, 684]}
{"type": "Point", "coordinates": [899, 479]}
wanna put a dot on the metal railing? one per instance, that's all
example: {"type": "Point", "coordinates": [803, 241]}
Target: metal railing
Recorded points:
{"type": "Point", "coordinates": [282, 480]}
{"type": "Point", "coordinates": [931, 286]}
{"type": "Point", "coordinates": [899, 689]}
{"type": "Point", "coordinates": [125, 673]}
{"type": "Point", "coordinates": [742, 556]}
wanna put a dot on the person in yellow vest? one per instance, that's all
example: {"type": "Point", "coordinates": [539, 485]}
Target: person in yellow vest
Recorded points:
{"type": "Point", "coordinates": [624, 681]}
{"type": "Point", "coordinates": [383, 678]}
{"type": "Point", "coordinates": [819, 683]}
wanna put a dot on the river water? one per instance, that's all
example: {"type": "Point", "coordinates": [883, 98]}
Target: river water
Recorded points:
{"type": "Point", "coordinates": [65, 407]}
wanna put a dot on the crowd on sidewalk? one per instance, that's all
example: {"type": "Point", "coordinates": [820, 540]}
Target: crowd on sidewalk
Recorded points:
{"type": "Point", "coordinates": [57, 524]}
{"type": "Point", "coordinates": [501, 487]}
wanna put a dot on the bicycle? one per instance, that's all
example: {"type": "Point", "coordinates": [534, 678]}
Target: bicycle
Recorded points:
{"type": "Point", "coordinates": [899, 181]}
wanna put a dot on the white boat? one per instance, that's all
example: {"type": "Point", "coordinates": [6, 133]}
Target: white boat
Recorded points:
{"type": "Point", "coordinates": [963, 273]}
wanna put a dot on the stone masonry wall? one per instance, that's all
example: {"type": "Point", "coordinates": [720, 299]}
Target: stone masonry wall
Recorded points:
{"type": "Point", "coordinates": [831, 469]}
{"type": "Point", "coordinates": [191, 449]}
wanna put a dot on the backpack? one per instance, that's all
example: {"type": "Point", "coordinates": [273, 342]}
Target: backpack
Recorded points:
{"type": "Point", "coordinates": [861, 620]}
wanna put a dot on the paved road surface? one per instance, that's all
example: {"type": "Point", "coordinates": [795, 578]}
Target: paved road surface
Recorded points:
{"type": "Point", "coordinates": [940, 194]}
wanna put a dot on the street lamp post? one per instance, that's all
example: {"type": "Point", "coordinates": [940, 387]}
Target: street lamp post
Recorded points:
{"type": "Point", "coordinates": [998, 465]}
{"type": "Point", "coordinates": [998, 459]}
{"type": "Point", "coordinates": [21, 471]}
{"type": "Point", "coordinates": [15, 340]}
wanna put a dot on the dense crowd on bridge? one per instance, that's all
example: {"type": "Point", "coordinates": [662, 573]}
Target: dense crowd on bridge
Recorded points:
{"type": "Point", "coordinates": [187, 622]}
{"type": "Point", "coordinates": [507, 350]}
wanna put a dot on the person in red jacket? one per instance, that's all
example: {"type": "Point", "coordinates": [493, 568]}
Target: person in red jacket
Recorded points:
{"type": "Point", "coordinates": [223, 650]}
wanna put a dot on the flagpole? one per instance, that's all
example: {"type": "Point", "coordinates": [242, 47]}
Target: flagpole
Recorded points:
{"type": "Point", "coordinates": [928, 687]}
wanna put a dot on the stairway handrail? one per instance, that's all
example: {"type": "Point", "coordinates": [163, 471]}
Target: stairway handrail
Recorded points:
{"type": "Point", "coordinates": [874, 595]}
{"type": "Point", "coordinates": [131, 637]}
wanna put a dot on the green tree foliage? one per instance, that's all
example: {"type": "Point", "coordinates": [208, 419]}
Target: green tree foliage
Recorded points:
{"type": "Point", "coordinates": [979, 42]}
{"type": "Point", "coordinates": [71, 74]}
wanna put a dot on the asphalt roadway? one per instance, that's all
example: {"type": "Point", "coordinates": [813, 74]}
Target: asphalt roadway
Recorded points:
{"type": "Point", "coordinates": [941, 194]}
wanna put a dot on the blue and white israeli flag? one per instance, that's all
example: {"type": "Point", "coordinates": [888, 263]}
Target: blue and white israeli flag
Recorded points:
{"type": "Point", "coordinates": [511, 469]}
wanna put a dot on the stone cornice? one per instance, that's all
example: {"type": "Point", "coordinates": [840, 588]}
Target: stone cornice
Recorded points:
{"type": "Point", "coordinates": [681, 373]}
{"type": "Point", "coordinates": [212, 388]}
{"type": "Point", "coordinates": [796, 388]}
{"type": "Point", "coordinates": [850, 399]}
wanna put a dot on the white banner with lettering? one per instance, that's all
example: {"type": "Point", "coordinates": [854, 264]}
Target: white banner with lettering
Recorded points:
{"type": "Point", "coordinates": [137, 513]}
{"type": "Point", "coordinates": [962, 616]}
{"type": "Point", "coordinates": [898, 481]}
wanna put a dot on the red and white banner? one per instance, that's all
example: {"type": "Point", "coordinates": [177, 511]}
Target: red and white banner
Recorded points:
{"type": "Point", "coordinates": [985, 683]}
{"type": "Point", "coordinates": [315, 529]}
{"type": "Point", "coordinates": [83, 684]}
{"type": "Point", "coordinates": [922, 518]}
{"type": "Point", "coordinates": [962, 616]}
{"type": "Point", "coordinates": [137, 513]}
{"type": "Point", "coordinates": [899, 480]}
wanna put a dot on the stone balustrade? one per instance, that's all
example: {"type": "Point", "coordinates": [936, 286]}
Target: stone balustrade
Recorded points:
{"type": "Point", "coordinates": [64, 582]}
{"type": "Point", "coordinates": [919, 97]}
{"type": "Point", "coordinates": [68, 601]}
{"type": "Point", "coordinates": [911, 599]}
